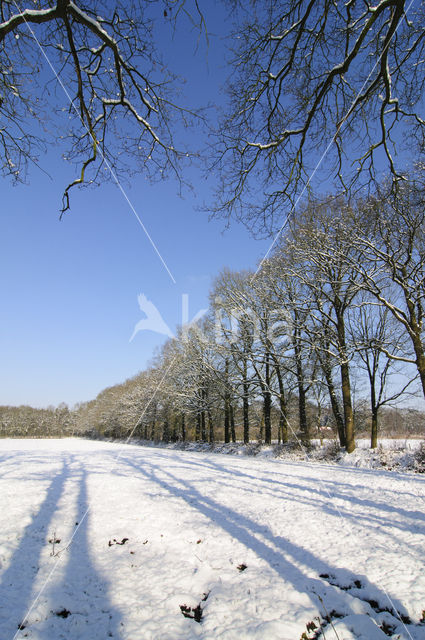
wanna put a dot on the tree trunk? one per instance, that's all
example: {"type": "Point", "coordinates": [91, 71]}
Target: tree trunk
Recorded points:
{"type": "Point", "coordinates": [210, 427]}
{"type": "Point", "coordinates": [267, 397]}
{"type": "Point", "coordinates": [302, 411]}
{"type": "Point", "coordinates": [283, 422]}
{"type": "Point", "coordinates": [374, 430]}
{"type": "Point", "coordinates": [153, 425]}
{"type": "Point", "coordinates": [203, 420]}
{"type": "Point", "coordinates": [346, 388]}
{"type": "Point", "coordinates": [301, 388]}
{"type": "Point", "coordinates": [348, 409]}
{"type": "Point", "coordinates": [374, 408]}
{"type": "Point", "coordinates": [232, 423]}
{"type": "Point", "coordinates": [183, 427]}
{"type": "Point", "coordinates": [267, 418]}
{"type": "Point", "coordinates": [198, 427]}
{"type": "Point", "coordinates": [282, 435]}
{"type": "Point", "coordinates": [334, 401]}
{"type": "Point", "coordinates": [245, 409]}
{"type": "Point", "coordinates": [226, 419]}
{"type": "Point", "coordinates": [203, 427]}
{"type": "Point", "coordinates": [165, 432]}
{"type": "Point", "coordinates": [227, 405]}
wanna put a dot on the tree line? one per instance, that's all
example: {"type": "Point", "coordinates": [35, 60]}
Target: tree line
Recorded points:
{"type": "Point", "coordinates": [338, 303]}
{"type": "Point", "coordinates": [324, 335]}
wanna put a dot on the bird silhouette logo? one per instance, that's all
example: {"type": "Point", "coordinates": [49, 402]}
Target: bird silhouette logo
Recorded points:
{"type": "Point", "coordinates": [153, 320]}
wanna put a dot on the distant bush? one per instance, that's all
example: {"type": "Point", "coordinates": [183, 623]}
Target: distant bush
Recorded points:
{"type": "Point", "coordinates": [92, 434]}
{"type": "Point", "coordinates": [252, 449]}
{"type": "Point", "coordinates": [331, 451]}
{"type": "Point", "coordinates": [290, 447]}
{"type": "Point", "coordinates": [419, 458]}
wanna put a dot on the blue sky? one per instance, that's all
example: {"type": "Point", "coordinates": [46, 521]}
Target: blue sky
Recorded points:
{"type": "Point", "coordinates": [69, 288]}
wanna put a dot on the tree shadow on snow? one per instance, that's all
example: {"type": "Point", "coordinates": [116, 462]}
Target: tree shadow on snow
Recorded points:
{"type": "Point", "coordinates": [282, 555]}
{"type": "Point", "coordinates": [16, 586]}
{"type": "Point", "coordinates": [80, 603]}
{"type": "Point", "coordinates": [74, 602]}
{"type": "Point", "coordinates": [328, 490]}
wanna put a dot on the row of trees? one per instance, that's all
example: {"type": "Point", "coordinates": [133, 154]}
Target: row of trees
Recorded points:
{"type": "Point", "coordinates": [27, 422]}
{"type": "Point", "coordinates": [337, 305]}
{"type": "Point", "coordinates": [331, 319]}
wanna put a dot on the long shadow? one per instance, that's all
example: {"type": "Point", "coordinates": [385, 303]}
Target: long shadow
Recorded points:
{"type": "Point", "coordinates": [17, 580]}
{"type": "Point", "coordinates": [273, 549]}
{"type": "Point", "coordinates": [11, 463]}
{"type": "Point", "coordinates": [80, 603]}
{"type": "Point", "coordinates": [334, 492]}
{"type": "Point", "coordinates": [202, 460]}
{"type": "Point", "coordinates": [350, 472]}
{"type": "Point", "coordinates": [330, 491]}
{"type": "Point", "coordinates": [302, 493]}
{"type": "Point", "coordinates": [378, 512]}
{"type": "Point", "coordinates": [310, 496]}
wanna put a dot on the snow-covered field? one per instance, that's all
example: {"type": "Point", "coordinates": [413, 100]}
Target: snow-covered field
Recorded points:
{"type": "Point", "coordinates": [252, 548]}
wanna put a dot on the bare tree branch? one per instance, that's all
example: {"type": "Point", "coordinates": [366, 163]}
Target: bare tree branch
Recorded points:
{"type": "Point", "coordinates": [122, 118]}
{"type": "Point", "coordinates": [309, 78]}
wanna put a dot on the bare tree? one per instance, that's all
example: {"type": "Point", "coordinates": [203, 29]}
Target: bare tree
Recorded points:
{"type": "Point", "coordinates": [189, 362]}
{"type": "Point", "coordinates": [290, 351]}
{"type": "Point", "coordinates": [234, 328]}
{"type": "Point", "coordinates": [391, 240]}
{"type": "Point", "coordinates": [378, 339]}
{"type": "Point", "coordinates": [324, 258]}
{"type": "Point", "coordinates": [343, 79]}
{"type": "Point", "coordinates": [110, 80]}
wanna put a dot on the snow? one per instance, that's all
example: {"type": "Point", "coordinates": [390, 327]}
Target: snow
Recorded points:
{"type": "Point", "coordinates": [257, 548]}
{"type": "Point", "coordinates": [397, 454]}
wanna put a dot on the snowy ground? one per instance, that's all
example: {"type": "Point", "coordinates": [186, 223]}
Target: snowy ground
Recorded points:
{"type": "Point", "coordinates": [254, 549]}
